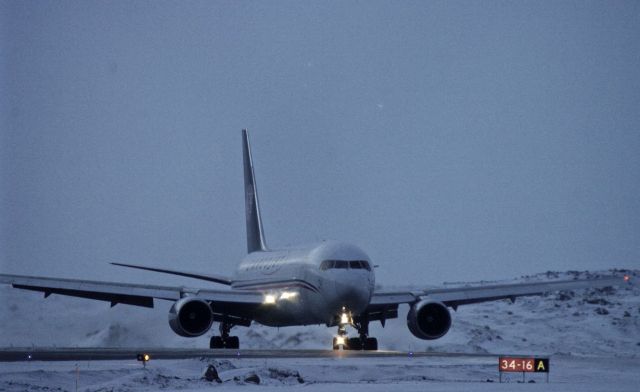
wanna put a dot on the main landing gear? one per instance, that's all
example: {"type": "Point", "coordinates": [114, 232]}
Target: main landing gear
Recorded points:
{"type": "Point", "coordinates": [224, 340]}
{"type": "Point", "coordinates": [363, 342]}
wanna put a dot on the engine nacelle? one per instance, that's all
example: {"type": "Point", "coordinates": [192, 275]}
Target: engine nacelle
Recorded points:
{"type": "Point", "coordinates": [429, 320]}
{"type": "Point", "coordinates": [190, 317]}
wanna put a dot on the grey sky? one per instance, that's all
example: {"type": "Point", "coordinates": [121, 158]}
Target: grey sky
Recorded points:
{"type": "Point", "coordinates": [451, 141]}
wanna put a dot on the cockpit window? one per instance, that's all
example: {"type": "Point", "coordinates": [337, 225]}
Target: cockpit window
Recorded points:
{"type": "Point", "coordinates": [344, 264]}
{"type": "Point", "coordinates": [356, 264]}
{"type": "Point", "coordinates": [325, 265]}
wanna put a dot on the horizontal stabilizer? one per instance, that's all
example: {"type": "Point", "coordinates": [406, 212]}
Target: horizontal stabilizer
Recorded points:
{"type": "Point", "coordinates": [210, 278]}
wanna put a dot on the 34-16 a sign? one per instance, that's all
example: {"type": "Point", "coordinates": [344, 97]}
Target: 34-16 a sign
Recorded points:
{"type": "Point", "coordinates": [523, 364]}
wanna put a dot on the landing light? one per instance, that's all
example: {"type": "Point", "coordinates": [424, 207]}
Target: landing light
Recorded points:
{"type": "Point", "coordinates": [344, 319]}
{"type": "Point", "coordinates": [288, 295]}
{"type": "Point", "coordinates": [269, 299]}
{"type": "Point", "coordinates": [340, 340]}
{"type": "Point", "coordinates": [626, 278]}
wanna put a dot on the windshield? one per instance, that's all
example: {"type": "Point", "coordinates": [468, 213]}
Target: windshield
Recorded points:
{"type": "Point", "coordinates": [345, 264]}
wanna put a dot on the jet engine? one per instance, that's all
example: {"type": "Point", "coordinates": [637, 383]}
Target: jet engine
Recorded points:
{"type": "Point", "coordinates": [190, 317]}
{"type": "Point", "coordinates": [428, 320]}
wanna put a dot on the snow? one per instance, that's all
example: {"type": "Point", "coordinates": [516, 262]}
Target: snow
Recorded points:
{"type": "Point", "coordinates": [592, 337]}
{"type": "Point", "coordinates": [569, 373]}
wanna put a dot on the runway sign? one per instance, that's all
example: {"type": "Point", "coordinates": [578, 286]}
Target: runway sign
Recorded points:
{"type": "Point", "coordinates": [523, 364]}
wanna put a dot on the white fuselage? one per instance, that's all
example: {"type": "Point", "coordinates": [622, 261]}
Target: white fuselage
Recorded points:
{"type": "Point", "coordinates": [310, 285]}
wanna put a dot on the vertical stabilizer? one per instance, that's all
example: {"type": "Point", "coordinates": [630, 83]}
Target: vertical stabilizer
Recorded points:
{"type": "Point", "coordinates": [255, 235]}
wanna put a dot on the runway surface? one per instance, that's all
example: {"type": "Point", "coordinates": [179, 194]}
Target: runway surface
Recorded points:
{"type": "Point", "coordinates": [101, 354]}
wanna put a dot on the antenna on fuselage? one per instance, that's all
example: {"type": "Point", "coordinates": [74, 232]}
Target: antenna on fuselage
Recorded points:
{"type": "Point", "coordinates": [255, 235]}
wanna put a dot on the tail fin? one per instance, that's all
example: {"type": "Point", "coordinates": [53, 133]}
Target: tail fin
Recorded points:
{"type": "Point", "coordinates": [255, 235]}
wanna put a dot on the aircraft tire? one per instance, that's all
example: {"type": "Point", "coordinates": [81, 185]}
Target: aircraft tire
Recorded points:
{"type": "Point", "coordinates": [354, 344]}
{"type": "Point", "coordinates": [232, 342]}
{"type": "Point", "coordinates": [371, 344]}
{"type": "Point", "coordinates": [216, 342]}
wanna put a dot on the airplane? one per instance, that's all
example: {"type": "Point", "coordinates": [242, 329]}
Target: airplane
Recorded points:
{"type": "Point", "coordinates": [331, 283]}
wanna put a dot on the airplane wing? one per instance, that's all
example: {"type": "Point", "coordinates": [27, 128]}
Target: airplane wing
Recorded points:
{"type": "Point", "coordinates": [210, 278]}
{"type": "Point", "coordinates": [237, 303]}
{"type": "Point", "coordinates": [384, 304]}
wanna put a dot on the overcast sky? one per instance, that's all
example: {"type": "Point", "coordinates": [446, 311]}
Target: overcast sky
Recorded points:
{"type": "Point", "coordinates": [472, 140]}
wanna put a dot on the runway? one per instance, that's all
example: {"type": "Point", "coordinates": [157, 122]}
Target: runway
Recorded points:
{"type": "Point", "coordinates": [101, 354]}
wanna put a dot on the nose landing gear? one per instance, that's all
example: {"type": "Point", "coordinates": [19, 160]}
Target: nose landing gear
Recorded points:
{"type": "Point", "coordinates": [341, 339]}
{"type": "Point", "coordinates": [363, 342]}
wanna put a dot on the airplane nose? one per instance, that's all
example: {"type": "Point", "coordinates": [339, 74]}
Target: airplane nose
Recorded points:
{"type": "Point", "coordinates": [354, 298]}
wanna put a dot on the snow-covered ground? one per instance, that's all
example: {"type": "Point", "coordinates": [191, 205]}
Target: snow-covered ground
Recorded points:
{"type": "Point", "coordinates": [592, 336]}
{"type": "Point", "coordinates": [569, 373]}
